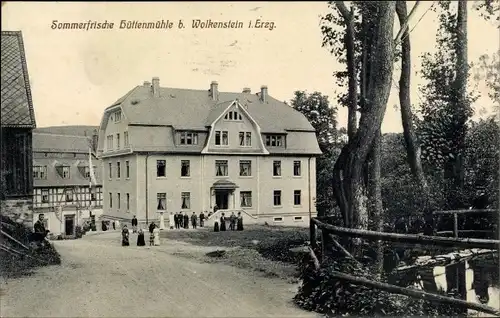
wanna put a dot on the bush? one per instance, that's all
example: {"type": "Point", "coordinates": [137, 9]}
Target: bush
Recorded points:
{"type": "Point", "coordinates": [325, 294]}
{"type": "Point", "coordinates": [17, 264]}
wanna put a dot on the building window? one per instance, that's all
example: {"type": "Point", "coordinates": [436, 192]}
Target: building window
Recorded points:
{"type": "Point", "coordinates": [233, 115]}
{"type": "Point", "coordinates": [92, 196]}
{"type": "Point", "coordinates": [161, 169]}
{"type": "Point", "coordinates": [119, 199]}
{"type": "Point", "coordinates": [188, 138]}
{"type": "Point", "coordinates": [86, 172]}
{"type": "Point", "coordinates": [109, 140]}
{"type": "Point", "coordinates": [296, 197]}
{"type": "Point", "coordinates": [217, 138]}
{"type": "Point", "coordinates": [110, 200]}
{"type": "Point", "coordinates": [128, 201]}
{"type": "Point", "coordinates": [296, 168]}
{"type": "Point", "coordinates": [45, 196]}
{"type": "Point", "coordinates": [118, 170]}
{"type": "Point", "coordinates": [117, 141]}
{"type": "Point", "coordinates": [125, 139]}
{"type": "Point", "coordinates": [276, 168]}
{"type": "Point", "coordinates": [221, 138]}
{"type": "Point", "coordinates": [297, 218]}
{"type": "Point", "coordinates": [246, 199]}
{"type": "Point", "coordinates": [68, 195]}
{"type": "Point", "coordinates": [245, 139]}
{"type": "Point", "coordinates": [245, 168]}
{"type": "Point", "coordinates": [127, 169]}
{"type": "Point", "coordinates": [248, 139]}
{"type": "Point", "coordinates": [186, 200]}
{"type": "Point", "coordinates": [275, 141]}
{"type": "Point", "coordinates": [65, 172]}
{"type": "Point", "coordinates": [278, 219]}
{"type": "Point", "coordinates": [118, 116]}
{"type": "Point", "coordinates": [185, 168]}
{"type": "Point", "coordinates": [221, 169]}
{"type": "Point", "coordinates": [161, 199]}
{"type": "Point", "coordinates": [40, 172]}
{"type": "Point", "coordinates": [110, 170]}
{"type": "Point", "coordinates": [277, 198]}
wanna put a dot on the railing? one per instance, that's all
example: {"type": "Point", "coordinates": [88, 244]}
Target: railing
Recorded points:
{"type": "Point", "coordinates": [327, 234]}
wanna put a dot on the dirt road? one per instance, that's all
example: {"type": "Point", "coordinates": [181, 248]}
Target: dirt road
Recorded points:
{"type": "Point", "coordinates": [99, 278]}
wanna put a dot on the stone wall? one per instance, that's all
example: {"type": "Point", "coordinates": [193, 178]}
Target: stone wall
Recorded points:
{"type": "Point", "coordinates": [18, 210]}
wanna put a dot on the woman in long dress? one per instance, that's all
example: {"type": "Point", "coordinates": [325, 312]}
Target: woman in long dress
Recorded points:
{"type": "Point", "coordinates": [239, 224]}
{"type": "Point", "coordinates": [140, 238]}
{"type": "Point", "coordinates": [222, 222]}
{"type": "Point", "coordinates": [216, 225]}
{"type": "Point", "coordinates": [156, 236]}
{"type": "Point", "coordinates": [125, 235]}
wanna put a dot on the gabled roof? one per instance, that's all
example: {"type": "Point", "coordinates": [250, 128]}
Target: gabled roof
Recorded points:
{"type": "Point", "coordinates": [17, 104]}
{"type": "Point", "coordinates": [73, 130]}
{"type": "Point", "coordinates": [194, 109]}
{"type": "Point", "coordinates": [60, 143]}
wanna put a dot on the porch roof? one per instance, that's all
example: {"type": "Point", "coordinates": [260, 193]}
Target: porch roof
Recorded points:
{"type": "Point", "coordinates": [224, 185]}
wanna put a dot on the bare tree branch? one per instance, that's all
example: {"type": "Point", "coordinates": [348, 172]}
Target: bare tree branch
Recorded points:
{"type": "Point", "coordinates": [404, 26]}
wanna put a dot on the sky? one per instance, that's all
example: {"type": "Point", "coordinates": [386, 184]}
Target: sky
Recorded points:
{"type": "Point", "coordinates": [76, 74]}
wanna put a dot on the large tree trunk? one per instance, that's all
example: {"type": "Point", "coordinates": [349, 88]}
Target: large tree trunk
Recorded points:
{"type": "Point", "coordinates": [454, 166]}
{"type": "Point", "coordinates": [412, 146]}
{"type": "Point", "coordinates": [352, 118]}
{"type": "Point", "coordinates": [378, 89]}
{"type": "Point", "coordinates": [375, 197]}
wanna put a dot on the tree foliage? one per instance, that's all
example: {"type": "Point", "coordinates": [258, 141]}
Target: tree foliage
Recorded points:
{"type": "Point", "coordinates": [488, 69]}
{"type": "Point", "coordinates": [323, 117]}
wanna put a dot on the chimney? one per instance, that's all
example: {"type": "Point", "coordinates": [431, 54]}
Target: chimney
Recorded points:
{"type": "Point", "coordinates": [263, 93]}
{"type": "Point", "coordinates": [146, 84]}
{"type": "Point", "coordinates": [214, 90]}
{"type": "Point", "coordinates": [246, 90]}
{"type": "Point", "coordinates": [156, 86]}
{"type": "Point", "coordinates": [95, 137]}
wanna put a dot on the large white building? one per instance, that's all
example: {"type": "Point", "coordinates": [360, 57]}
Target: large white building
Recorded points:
{"type": "Point", "coordinates": [170, 150]}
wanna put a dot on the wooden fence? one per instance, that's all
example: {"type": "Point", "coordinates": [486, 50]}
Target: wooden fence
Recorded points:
{"type": "Point", "coordinates": [328, 233]}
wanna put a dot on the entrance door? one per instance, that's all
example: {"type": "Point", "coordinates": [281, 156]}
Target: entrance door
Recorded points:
{"type": "Point", "coordinates": [69, 224]}
{"type": "Point", "coordinates": [222, 200]}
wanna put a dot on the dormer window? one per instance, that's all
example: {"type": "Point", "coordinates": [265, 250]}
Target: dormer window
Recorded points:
{"type": "Point", "coordinates": [188, 138]}
{"type": "Point", "coordinates": [117, 116]}
{"type": "Point", "coordinates": [233, 115]}
{"type": "Point", "coordinates": [63, 171]}
{"type": "Point", "coordinates": [275, 141]}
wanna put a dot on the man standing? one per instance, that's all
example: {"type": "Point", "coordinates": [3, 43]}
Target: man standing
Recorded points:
{"type": "Point", "coordinates": [40, 231]}
{"type": "Point", "coordinates": [202, 219]}
{"type": "Point", "coordinates": [193, 220]}
{"type": "Point", "coordinates": [134, 224]}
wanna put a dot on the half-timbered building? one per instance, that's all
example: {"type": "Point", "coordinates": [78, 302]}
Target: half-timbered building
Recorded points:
{"type": "Point", "coordinates": [63, 191]}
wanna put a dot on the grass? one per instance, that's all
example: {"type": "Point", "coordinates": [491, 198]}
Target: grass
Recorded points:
{"type": "Point", "coordinates": [264, 249]}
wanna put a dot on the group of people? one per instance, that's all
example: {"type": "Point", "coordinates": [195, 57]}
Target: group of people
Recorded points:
{"type": "Point", "coordinates": [235, 222]}
{"type": "Point", "coordinates": [181, 221]}
{"type": "Point", "coordinates": [154, 234]}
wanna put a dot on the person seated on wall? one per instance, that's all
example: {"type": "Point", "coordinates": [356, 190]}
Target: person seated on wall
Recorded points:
{"type": "Point", "coordinates": [40, 233]}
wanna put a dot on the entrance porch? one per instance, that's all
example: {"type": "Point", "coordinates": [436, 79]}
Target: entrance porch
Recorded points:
{"type": "Point", "coordinates": [222, 195]}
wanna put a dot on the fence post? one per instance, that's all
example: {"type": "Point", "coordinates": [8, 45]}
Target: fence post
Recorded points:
{"type": "Point", "coordinates": [312, 234]}
{"type": "Point", "coordinates": [455, 224]}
